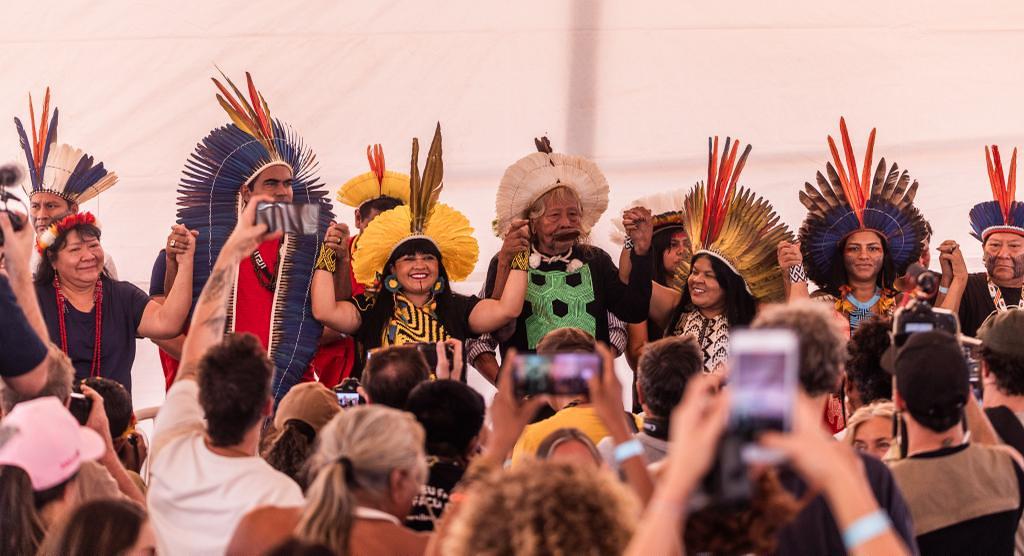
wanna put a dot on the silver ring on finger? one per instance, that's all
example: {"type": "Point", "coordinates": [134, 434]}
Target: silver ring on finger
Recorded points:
{"type": "Point", "coordinates": [173, 243]}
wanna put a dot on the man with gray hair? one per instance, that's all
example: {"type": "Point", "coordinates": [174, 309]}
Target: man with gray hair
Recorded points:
{"type": "Point", "coordinates": [571, 284]}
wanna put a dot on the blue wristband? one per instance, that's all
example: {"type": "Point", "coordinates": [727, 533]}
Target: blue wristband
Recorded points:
{"type": "Point", "coordinates": [628, 449]}
{"type": "Point", "coordinates": [866, 528]}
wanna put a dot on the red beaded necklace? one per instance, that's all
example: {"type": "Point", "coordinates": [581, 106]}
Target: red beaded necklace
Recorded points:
{"type": "Point", "coordinates": [98, 307]}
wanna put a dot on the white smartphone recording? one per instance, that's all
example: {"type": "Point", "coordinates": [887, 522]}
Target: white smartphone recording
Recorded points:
{"type": "Point", "coordinates": [764, 369]}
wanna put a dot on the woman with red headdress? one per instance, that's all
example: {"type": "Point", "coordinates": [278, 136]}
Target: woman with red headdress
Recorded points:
{"type": "Point", "coordinates": [92, 317]}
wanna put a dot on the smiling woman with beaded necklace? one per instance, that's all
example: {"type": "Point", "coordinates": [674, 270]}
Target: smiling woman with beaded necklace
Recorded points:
{"type": "Point", "coordinates": [93, 318]}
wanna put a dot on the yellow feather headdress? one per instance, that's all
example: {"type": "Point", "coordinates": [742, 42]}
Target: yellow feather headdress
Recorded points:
{"type": "Point", "coordinates": [735, 226]}
{"type": "Point", "coordinates": [378, 182]}
{"type": "Point", "coordinates": [422, 218]}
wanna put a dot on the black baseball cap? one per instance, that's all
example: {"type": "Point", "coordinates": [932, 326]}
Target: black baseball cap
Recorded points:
{"type": "Point", "coordinates": [931, 376]}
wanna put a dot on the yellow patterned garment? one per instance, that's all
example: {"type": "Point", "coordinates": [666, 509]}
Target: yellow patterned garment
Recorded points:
{"type": "Point", "coordinates": [882, 304]}
{"type": "Point", "coordinates": [410, 324]}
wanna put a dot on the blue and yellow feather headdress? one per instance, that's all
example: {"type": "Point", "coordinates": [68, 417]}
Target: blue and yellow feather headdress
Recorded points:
{"type": "Point", "coordinates": [57, 168]}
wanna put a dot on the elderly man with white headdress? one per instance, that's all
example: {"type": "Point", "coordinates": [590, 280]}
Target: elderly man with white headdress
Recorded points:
{"type": "Point", "coordinates": [571, 284]}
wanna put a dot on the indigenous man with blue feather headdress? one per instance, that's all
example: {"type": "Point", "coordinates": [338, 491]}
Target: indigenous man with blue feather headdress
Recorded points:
{"type": "Point", "coordinates": [999, 225]}
{"type": "Point", "coordinates": [257, 155]}
{"type": "Point", "coordinates": [62, 177]}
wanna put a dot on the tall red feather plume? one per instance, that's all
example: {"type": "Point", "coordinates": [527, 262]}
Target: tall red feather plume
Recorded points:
{"type": "Point", "coordinates": [1004, 189]}
{"type": "Point", "coordinates": [40, 138]}
{"type": "Point", "coordinates": [375, 155]}
{"type": "Point", "coordinates": [856, 188]}
{"type": "Point", "coordinates": [257, 104]}
{"type": "Point", "coordinates": [723, 175]}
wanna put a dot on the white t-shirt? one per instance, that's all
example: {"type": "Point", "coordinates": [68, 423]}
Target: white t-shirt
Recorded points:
{"type": "Point", "coordinates": [197, 497]}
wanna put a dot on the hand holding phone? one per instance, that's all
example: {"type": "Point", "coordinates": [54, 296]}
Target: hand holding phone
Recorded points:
{"type": "Point", "coordinates": [348, 393]}
{"type": "Point", "coordinates": [561, 374]}
{"type": "Point", "coordinates": [764, 374]}
{"type": "Point", "coordinates": [290, 218]}
{"type": "Point", "coordinates": [80, 406]}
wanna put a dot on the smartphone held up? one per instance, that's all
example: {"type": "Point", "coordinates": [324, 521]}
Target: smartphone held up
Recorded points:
{"type": "Point", "coordinates": [290, 218]}
{"type": "Point", "coordinates": [763, 377]}
{"type": "Point", "coordinates": [560, 374]}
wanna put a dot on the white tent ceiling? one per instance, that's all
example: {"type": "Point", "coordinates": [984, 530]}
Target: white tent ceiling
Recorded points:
{"type": "Point", "coordinates": [638, 86]}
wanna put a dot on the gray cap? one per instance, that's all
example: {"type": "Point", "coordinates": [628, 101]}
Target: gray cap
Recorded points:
{"type": "Point", "coordinates": [1003, 332]}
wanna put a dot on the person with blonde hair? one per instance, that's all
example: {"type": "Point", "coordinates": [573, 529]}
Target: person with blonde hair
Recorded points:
{"type": "Point", "coordinates": [869, 429]}
{"type": "Point", "coordinates": [369, 466]}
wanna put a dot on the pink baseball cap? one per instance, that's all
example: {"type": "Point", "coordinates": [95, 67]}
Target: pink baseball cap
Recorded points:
{"type": "Point", "coordinates": [43, 438]}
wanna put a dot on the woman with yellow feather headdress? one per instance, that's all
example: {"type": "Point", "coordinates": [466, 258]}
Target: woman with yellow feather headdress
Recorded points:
{"type": "Point", "coordinates": [416, 251]}
{"type": "Point", "coordinates": [733, 267]}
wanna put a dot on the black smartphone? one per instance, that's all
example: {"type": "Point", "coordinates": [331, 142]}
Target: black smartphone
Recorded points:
{"type": "Point", "coordinates": [558, 373]}
{"type": "Point", "coordinates": [290, 218]}
{"type": "Point", "coordinates": [348, 393]}
{"type": "Point", "coordinates": [80, 406]}
{"type": "Point", "coordinates": [429, 352]}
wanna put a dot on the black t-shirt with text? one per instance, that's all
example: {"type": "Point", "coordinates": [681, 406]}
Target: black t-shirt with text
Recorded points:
{"type": "Point", "coordinates": [430, 503]}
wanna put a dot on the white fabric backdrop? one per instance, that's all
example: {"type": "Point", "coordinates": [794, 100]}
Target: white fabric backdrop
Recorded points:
{"type": "Point", "coordinates": [638, 86]}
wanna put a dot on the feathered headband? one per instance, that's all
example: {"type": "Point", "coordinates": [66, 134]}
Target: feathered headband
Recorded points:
{"type": "Point", "coordinates": [252, 117]}
{"type": "Point", "coordinates": [376, 183]}
{"type": "Point", "coordinates": [666, 210]}
{"type": "Point", "coordinates": [1004, 213]}
{"type": "Point", "coordinates": [846, 202]}
{"type": "Point", "coordinates": [733, 225]}
{"type": "Point", "coordinates": [422, 218]}
{"type": "Point", "coordinates": [59, 169]}
{"type": "Point", "coordinates": [46, 239]}
{"type": "Point", "coordinates": [532, 176]}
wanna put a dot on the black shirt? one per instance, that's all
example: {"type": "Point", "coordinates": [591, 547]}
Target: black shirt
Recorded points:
{"type": "Point", "coordinates": [976, 304]}
{"type": "Point", "coordinates": [21, 349]}
{"type": "Point", "coordinates": [988, 534]}
{"type": "Point", "coordinates": [156, 278]}
{"type": "Point", "coordinates": [430, 503]}
{"type": "Point", "coordinates": [814, 531]}
{"type": "Point", "coordinates": [123, 305]}
{"type": "Point", "coordinates": [594, 291]}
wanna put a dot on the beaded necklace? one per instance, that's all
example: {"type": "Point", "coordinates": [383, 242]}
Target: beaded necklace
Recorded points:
{"type": "Point", "coordinates": [94, 369]}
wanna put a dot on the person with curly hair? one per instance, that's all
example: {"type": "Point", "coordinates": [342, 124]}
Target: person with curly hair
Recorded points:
{"type": "Point", "coordinates": [558, 510]}
{"type": "Point", "coordinates": [866, 381]}
{"type": "Point", "coordinates": [303, 412]}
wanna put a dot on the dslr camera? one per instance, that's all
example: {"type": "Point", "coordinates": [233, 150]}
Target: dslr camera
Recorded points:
{"type": "Point", "coordinates": [920, 316]}
{"type": "Point", "coordinates": [10, 175]}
